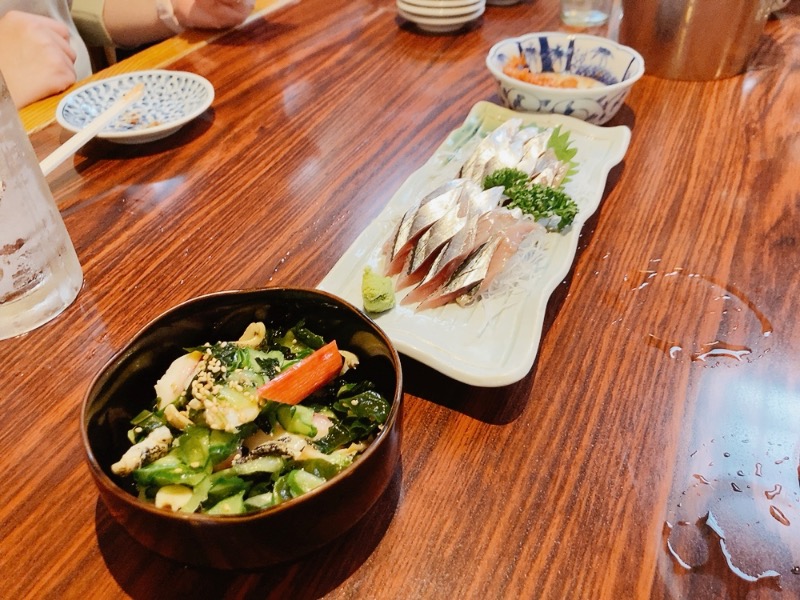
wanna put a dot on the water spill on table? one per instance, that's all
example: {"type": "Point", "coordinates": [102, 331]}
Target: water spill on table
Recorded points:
{"type": "Point", "coordinates": [730, 525]}
{"type": "Point", "coordinates": [708, 321]}
{"type": "Point", "coordinates": [732, 521]}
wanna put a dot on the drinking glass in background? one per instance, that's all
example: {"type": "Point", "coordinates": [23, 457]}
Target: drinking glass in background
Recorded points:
{"type": "Point", "coordinates": [585, 13]}
{"type": "Point", "coordinates": [39, 271]}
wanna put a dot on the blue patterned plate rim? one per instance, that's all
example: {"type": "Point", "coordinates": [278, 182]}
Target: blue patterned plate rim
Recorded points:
{"type": "Point", "coordinates": [180, 97]}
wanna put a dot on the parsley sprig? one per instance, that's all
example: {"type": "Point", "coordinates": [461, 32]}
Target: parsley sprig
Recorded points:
{"type": "Point", "coordinates": [553, 205]}
{"type": "Point", "coordinates": [537, 200]}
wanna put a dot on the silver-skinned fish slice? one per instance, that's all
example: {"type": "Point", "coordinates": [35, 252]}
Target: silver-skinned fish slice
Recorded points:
{"type": "Point", "coordinates": [516, 154]}
{"type": "Point", "coordinates": [469, 275]}
{"type": "Point", "coordinates": [549, 171]}
{"type": "Point", "coordinates": [475, 165]}
{"type": "Point", "coordinates": [482, 222]}
{"type": "Point", "coordinates": [481, 266]}
{"type": "Point", "coordinates": [417, 220]}
{"type": "Point", "coordinates": [510, 240]}
{"type": "Point", "coordinates": [429, 244]}
{"type": "Point", "coordinates": [533, 149]}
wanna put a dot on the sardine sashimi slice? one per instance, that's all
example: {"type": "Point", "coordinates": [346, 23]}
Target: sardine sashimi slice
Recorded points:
{"type": "Point", "coordinates": [486, 200]}
{"type": "Point", "coordinates": [481, 267]}
{"type": "Point", "coordinates": [482, 226]}
{"type": "Point", "coordinates": [495, 221]}
{"type": "Point", "coordinates": [505, 157]}
{"type": "Point", "coordinates": [429, 244]}
{"type": "Point", "coordinates": [510, 240]}
{"type": "Point", "coordinates": [468, 275]}
{"type": "Point", "coordinates": [549, 171]}
{"type": "Point", "coordinates": [475, 165]}
{"type": "Point", "coordinates": [516, 154]}
{"type": "Point", "coordinates": [532, 151]}
{"type": "Point", "coordinates": [439, 272]}
{"type": "Point", "coordinates": [397, 241]}
{"type": "Point", "coordinates": [460, 245]}
{"type": "Point", "coordinates": [509, 146]}
{"type": "Point", "coordinates": [416, 220]}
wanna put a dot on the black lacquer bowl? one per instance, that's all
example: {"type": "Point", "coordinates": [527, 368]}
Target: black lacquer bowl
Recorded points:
{"type": "Point", "coordinates": [124, 387]}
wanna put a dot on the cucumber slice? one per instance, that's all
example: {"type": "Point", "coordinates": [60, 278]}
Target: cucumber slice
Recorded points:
{"type": "Point", "coordinates": [199, 495]}
{"type": "Point", "coordinates": [263, 464]}
{"type": "Point", "coordinates": [232, 505]}
{"type": "Point", "coordinates": [260, 502]}
{"type": "Point", "coordinates": [301, 482]}
{"type": "Point", "coordinates": [297, 419]}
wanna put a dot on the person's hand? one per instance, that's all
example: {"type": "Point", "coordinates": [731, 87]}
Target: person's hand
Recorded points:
{"type": "Point", "coordinates": [211, 14]}
{"type": "Point", "coordinates": [35, 56]}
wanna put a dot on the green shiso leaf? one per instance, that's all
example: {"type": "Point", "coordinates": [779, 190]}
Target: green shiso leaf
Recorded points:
{"type": "Point", "coordinates": [561, 146]}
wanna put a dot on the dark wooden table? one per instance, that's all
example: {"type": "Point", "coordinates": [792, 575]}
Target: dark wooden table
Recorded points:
{"type": "Point", "coordinates": [636, 460]}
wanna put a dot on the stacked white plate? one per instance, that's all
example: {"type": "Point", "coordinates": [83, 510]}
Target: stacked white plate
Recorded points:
{"type": "Point", "coordinates": [440, 16]}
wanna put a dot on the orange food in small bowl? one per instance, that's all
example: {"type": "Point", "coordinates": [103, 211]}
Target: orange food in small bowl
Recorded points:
{"type": "Point", "coordinates": [578, 75]}
{"type": "Point", "coordinates": [517, 68]}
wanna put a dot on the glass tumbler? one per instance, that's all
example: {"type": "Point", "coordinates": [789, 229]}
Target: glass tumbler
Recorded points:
{"type": "Point", "coordinates": [39, 271]}
{"type": "Point", "coordinates": [585, 13]}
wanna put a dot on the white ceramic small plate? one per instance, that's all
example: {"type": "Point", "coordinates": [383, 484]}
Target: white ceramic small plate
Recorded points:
{"type": "Point", "coordinates": [171, 99]}
{"type": "Point", "coordinates": [445, 3]}
{"type": "Point", "coordinates": [441, 24]}
{"type": "Point", "coordinates": [446, 12]}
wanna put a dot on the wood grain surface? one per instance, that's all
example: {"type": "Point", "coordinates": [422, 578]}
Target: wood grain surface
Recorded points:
{"type": "Point", "coordinates": [159, 55]}
{"type": "Point", "coordinates": [635, 460]}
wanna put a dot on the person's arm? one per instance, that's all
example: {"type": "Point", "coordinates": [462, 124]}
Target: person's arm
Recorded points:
{"type": "Point", "coordinates": [36, 59]}
{"type": "Point", "coordinates": [132, 23]}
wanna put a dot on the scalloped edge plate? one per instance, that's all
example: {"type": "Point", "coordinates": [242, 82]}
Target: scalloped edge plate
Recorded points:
{"type": "Point", "coordinates": [171, 99]}
{"type": "Point", "coordinates": [494, 342]}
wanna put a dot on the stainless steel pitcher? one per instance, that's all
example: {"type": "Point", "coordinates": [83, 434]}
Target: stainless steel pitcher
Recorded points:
{"type": "Point", "coordinates": [694, 39]}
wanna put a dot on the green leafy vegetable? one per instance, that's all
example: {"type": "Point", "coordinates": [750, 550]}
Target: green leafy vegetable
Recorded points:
{"type": "Point", "coordinates": [536, 200]}
{"type": "Point", "coordinates": [168, 470]}
{"type": "Point", "coordinates": [544, 202]}
{"type": "Point", "coordinates": [560, 144]}
{"type": "Point", "coordinates": [143, 423]}
{"type": "Point", "coordinates": [360, 412]}
{"type": "Point", "coordinates": [509, 178]}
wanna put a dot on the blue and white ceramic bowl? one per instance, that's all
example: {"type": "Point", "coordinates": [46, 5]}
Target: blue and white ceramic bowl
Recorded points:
{"type": "Point", "coordinates": [170, 100]}
{"type": "Point", "coordinates": [615, 66]}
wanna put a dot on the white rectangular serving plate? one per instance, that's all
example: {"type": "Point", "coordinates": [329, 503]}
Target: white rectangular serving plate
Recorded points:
{"type": "Point", "coordinates": [494, 341]}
